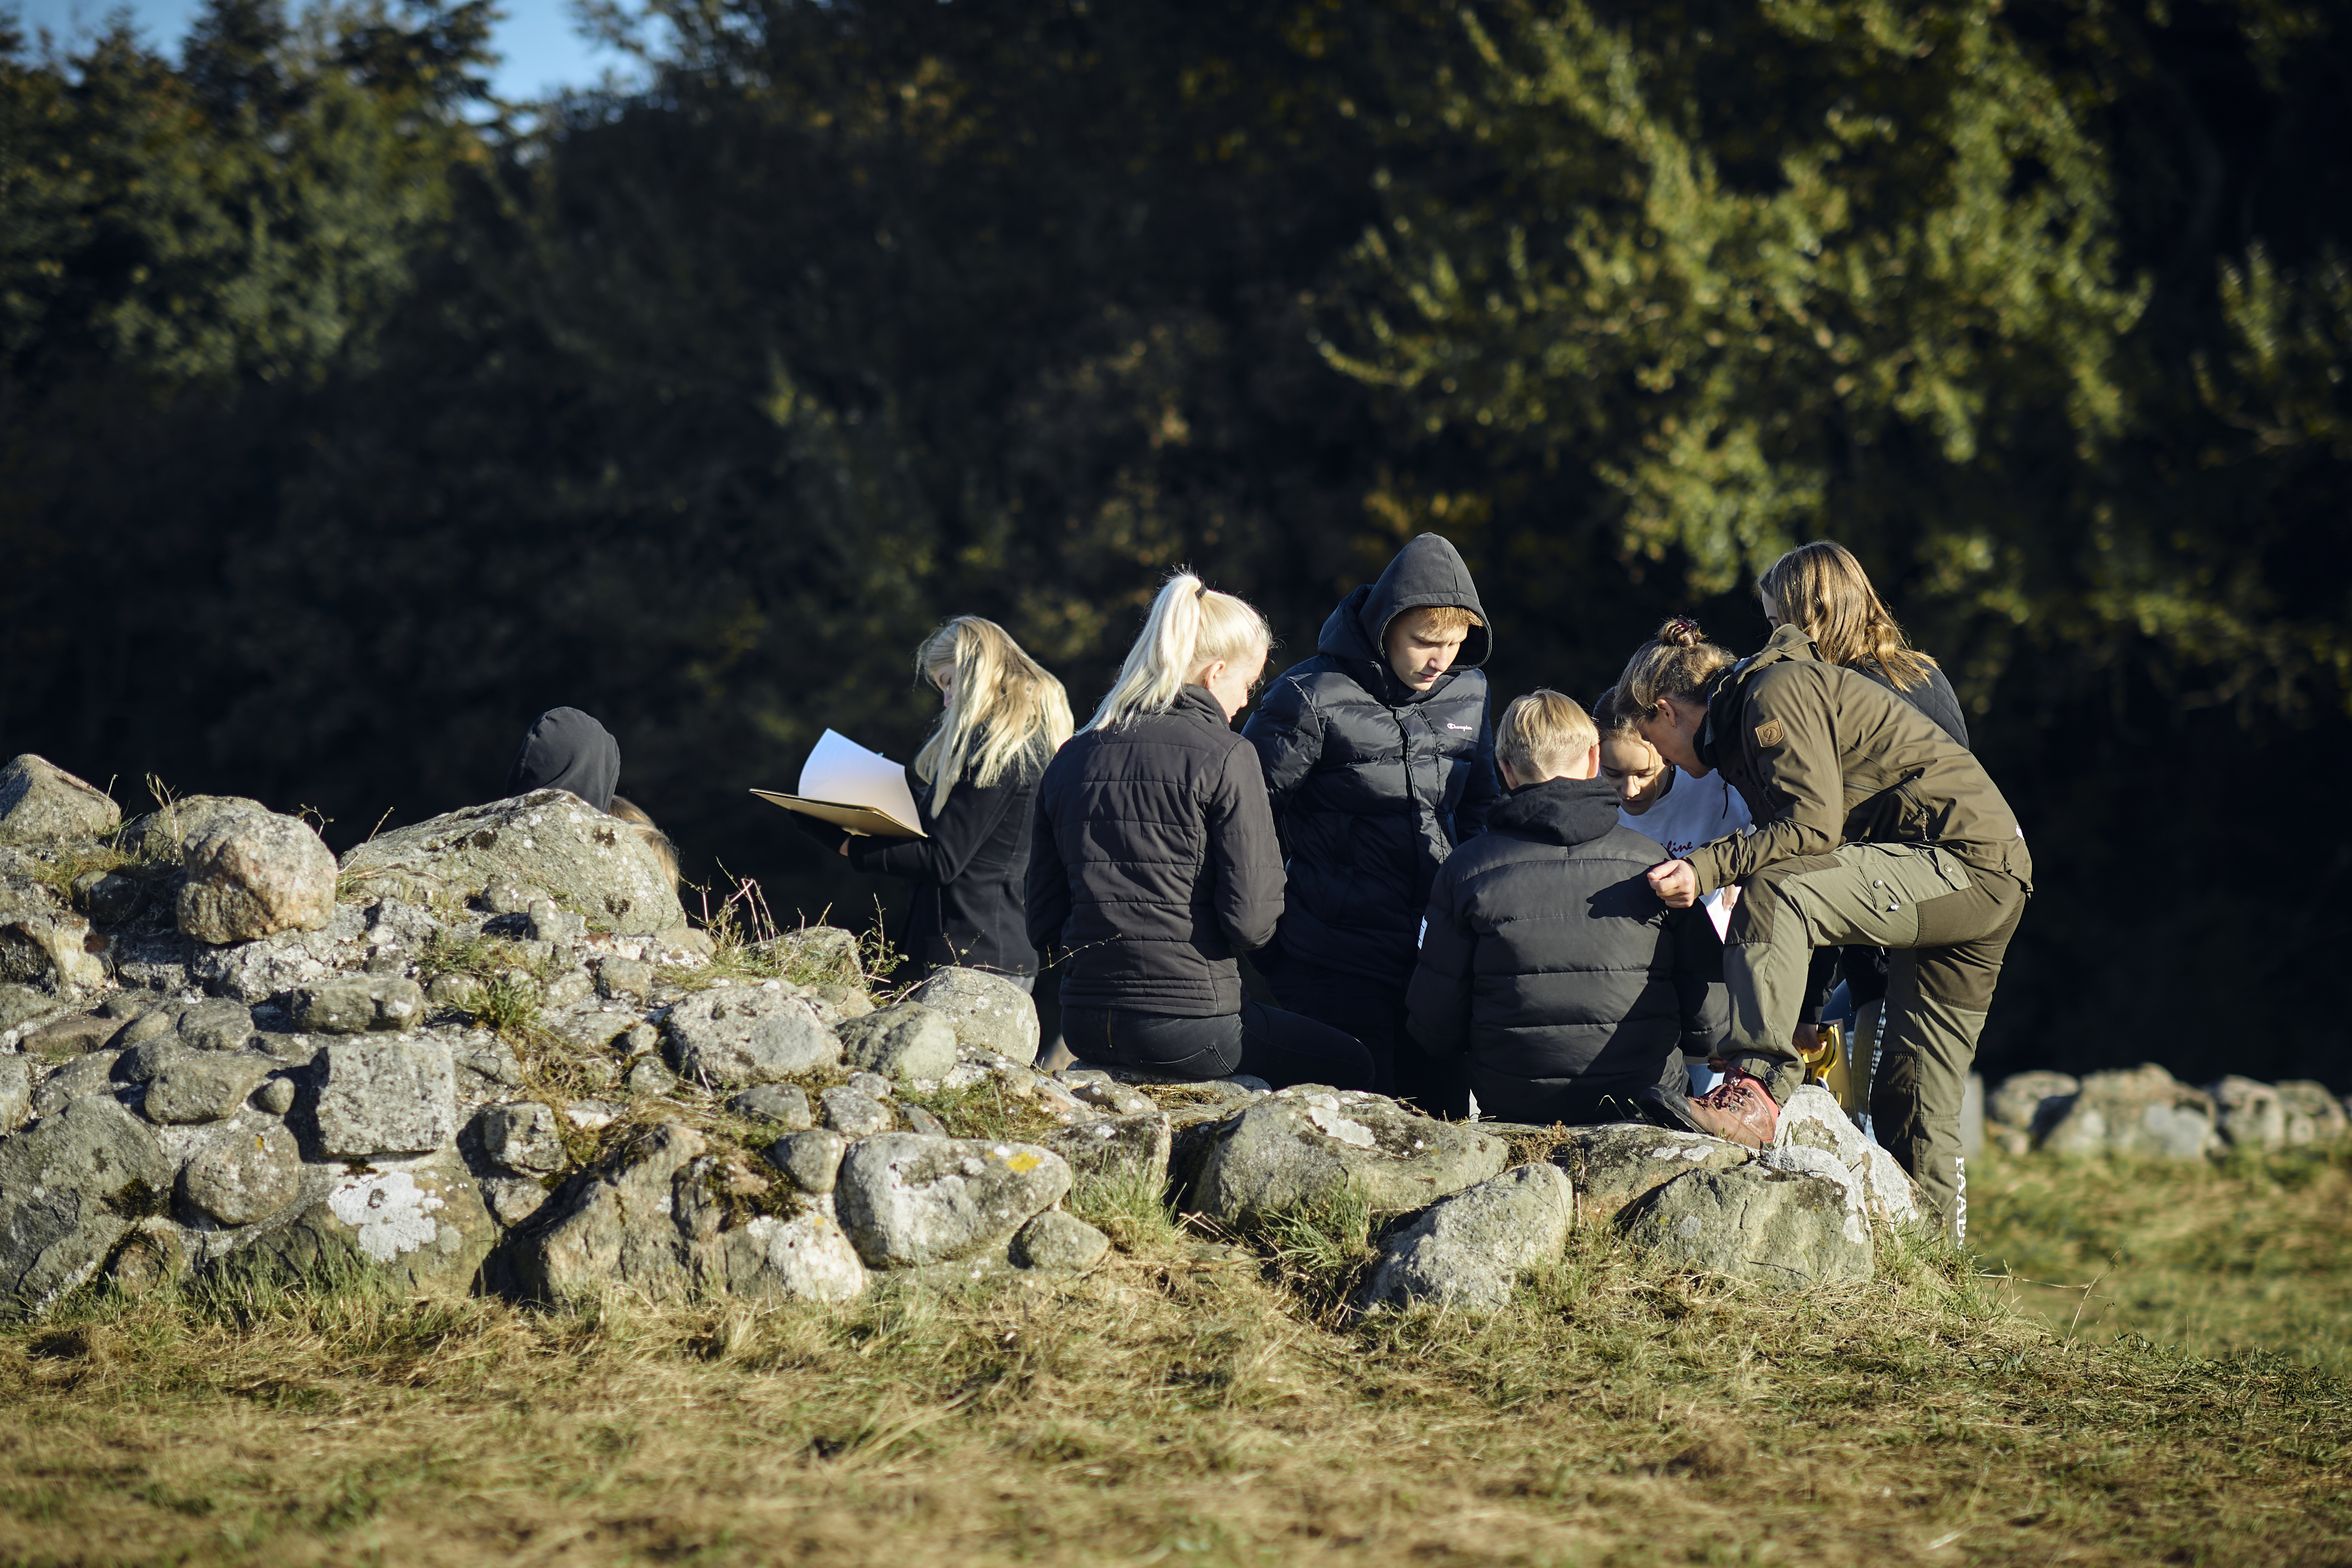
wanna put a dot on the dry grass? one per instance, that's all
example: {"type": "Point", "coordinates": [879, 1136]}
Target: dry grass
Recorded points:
{"type": "Point", "coordinates": [1164, 1409]}
{"type": "Point", "coordinates": [2250, 1255]}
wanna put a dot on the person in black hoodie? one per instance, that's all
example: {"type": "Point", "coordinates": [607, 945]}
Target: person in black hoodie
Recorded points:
{"type": "Point", "coordinates": [569, 750]}
{"type": "Point", "coordinates": [1002, 718]}
{"type": "Point", "coordinates": [1154, 862]}
{"type": "Point", "coordinates": [1380, 757]}
{"type": "Point", "coordinates": [1547, 961]}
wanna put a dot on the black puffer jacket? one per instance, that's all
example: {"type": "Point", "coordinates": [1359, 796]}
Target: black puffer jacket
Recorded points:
{"type": "Point", "coordinates": [1549, 959]}
{"type": "Point", "coordinates": [970, 874]}
{"type": "Point", "coordinates": [1374, 783]}
{"type": "Point", "coordinates": [1153, 862]}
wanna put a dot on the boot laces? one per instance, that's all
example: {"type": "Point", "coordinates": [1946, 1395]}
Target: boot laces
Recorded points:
{"type": "Point", "coordinates": [1735, 1092]}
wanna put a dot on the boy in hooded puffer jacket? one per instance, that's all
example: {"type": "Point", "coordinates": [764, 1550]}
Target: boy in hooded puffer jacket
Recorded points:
{"type": "Point", "coordinates": [1380, 757]}
{"type": "Point", "coordinates": [1547, 960]}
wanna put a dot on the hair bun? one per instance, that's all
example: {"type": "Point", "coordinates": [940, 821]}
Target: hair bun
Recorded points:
{"type": "Point", "coordinates": [1681, 632]}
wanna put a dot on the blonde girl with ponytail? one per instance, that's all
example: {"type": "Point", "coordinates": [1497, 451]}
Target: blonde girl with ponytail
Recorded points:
{"type": "Point", "coordinates": [1192, 636]}
{"type": "Point", "coordinates": [1002, 718]}
{"type": "Point", "coordinates": [1155, 863]}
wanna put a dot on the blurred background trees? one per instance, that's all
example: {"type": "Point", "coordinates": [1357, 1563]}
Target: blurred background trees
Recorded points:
{"type": "Point", "coordinates": [347, 420]}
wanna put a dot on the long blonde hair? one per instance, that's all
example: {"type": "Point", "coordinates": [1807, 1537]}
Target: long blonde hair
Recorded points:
{"type": "Point", "coordinates": [1822, 588]}
{"type": "Point", "coordinates": [1005, 709]}
{"type": "Point", "coordinates": [1189, 628]}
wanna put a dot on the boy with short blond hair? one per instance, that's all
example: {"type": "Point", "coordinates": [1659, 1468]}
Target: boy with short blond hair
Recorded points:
{"type": "Point", "coordinates": [1380, 758]}
{"type": "Point", "coordinates": [1547, 965]}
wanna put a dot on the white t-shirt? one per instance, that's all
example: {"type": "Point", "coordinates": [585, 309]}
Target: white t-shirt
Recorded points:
{"type": "Point", "coordinates": [1693, 812]}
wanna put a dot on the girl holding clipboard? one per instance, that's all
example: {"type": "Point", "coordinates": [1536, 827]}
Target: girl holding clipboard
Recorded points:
{"type": "Point", "coordinates": [1002, 718]}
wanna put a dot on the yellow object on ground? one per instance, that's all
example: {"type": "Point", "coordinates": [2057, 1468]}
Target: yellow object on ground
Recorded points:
{"type": "Point", "coordinates": [1826, 1064]}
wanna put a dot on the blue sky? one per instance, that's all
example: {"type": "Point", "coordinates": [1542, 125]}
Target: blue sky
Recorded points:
{"type": "Point", "coordinates": [541, 39]}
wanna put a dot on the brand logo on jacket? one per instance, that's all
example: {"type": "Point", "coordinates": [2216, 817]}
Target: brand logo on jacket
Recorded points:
{"type": "Point", "coordinates": [1770, 733]}
{"type": "Point", "coordinates": [1465, 729]}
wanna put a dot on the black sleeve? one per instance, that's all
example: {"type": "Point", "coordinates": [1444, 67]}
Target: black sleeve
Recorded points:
{"type": "Point", "coordinates": [1245, 857]}
{"type": "Point", "coordinates": [1933, 697]}
{"type": "Point", "coordinates": [1938, 701]}
{"type": "Point", "coordinates": [1049, 885]}
{"type": "Point", "coordinates": [1485, 790]}
{"type": "Point", "coordinates": [1820, 979]}
{"type": "Point", "coordinates": [970, 819]}
{"type": "Point", "coordinates": [1698, 983]}
{"type": "Point", "coordinates": [1437, 998]}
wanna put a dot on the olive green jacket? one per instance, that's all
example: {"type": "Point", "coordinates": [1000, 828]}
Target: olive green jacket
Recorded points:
{"type": "Point", "coordinates": [1826, 756]}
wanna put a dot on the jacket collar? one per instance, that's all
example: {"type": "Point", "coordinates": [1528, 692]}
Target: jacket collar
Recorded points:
{"type": "Point", "coordinates": [1194, 702]}
{"type": "Point", "coordinates": [1558, 811]}
{"type": "Point", "coordinates": [1726, 693]}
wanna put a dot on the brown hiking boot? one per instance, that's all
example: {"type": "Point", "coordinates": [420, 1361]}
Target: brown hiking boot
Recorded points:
{"type": "Point", "coordinates": [1739, 1109]}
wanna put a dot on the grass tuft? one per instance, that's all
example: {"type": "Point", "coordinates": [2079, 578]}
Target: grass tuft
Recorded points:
{"type": "Point", "coordinates": [1126, 1202]}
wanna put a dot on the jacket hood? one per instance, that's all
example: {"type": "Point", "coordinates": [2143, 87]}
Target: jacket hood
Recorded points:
{"type": "Point", "coordinates": [1723, 694]}
{"type": "Point", "coordinates": [567, 749]}
{"type": "Point", "coordinates": [1427, 572]}
{"type": "Point", "coordinates": [1566, 811]}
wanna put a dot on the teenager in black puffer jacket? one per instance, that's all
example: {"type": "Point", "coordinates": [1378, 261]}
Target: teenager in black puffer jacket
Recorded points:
{"type": "Point", "coordinates": [1380, 757]}
{"type": "Point", "coordinates": [1002, 718]}
{"type": "Point", "coordinates": [1154, 862]}
{"type": "Point", "coordinates": [1547, 960]}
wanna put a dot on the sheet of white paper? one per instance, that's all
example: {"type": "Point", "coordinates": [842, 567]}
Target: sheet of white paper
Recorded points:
{"type": "Point", "coordinates": [841, 769]}
{"type": "Point", "coordinates": [1718, 909]}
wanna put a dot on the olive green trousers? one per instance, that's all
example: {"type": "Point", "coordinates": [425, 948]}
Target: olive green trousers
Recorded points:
{"type": "Point", "coordinates": [1948, 926]}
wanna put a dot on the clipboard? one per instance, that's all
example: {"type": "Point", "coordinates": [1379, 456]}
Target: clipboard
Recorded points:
{"type": "Point", "coordinates": [846, 784]}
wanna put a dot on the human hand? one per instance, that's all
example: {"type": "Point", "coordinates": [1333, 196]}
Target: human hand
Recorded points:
{"type": "Point", "coordinates": [1676, 883]}
{"type": "Point", "coordinates": [1807, 1038]}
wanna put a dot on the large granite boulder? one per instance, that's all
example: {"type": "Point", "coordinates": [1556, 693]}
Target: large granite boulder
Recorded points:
{"type": "Point", "coordinates": [2312, 1114]}
{"type": "Point", "coordinates": [41, 803]}
{"type": "Point", "coordinates": [549, 844]}
{"type": "Point", "coordinates": [254, 874]}
{"type": "Point", "coordinates": [386, 1098]}
{"type": "Point", "coordinates": [1141, 1143]}
{"type": "Point", "coordinates": [1769, 1221]}
{"type": "Point", "coordinates": [733, 1036]}
{"type": "Point", "coordinates": [353, 1005]}
{"type": "Point", "coordinates": [987, 1012]}
{"type": "Point", "coordinates": [1813, 1120]}
{"type": "Point", "coordinates": [907, 1044]}
{"type": "Point", "coordinates": [162, 833]}
{"type": "Point", "coordinates": [1308, 1145]}
{"type": "Point", "coordinates": [1618, 1162]}
{"type": "Point", "coordinates": [242, 1175]}
{"type": "Point", "coordinates": [1469, 1250]}
{"type": "Point", "coordinates": [655, 1222]}
{"type": "Point", "coordinates": [804, 1257]}
{"type": "Point", "coordinates": [2028, 1104]}
{"type": "Point", "coordinates": [69, 1187]}
{"type": "Point", "coordinates": [2247, 1114]}
{"type": "Point", "coordinates": [186, 1086]}
{"type": "Point", "coordinates": [909, 1200]}
{"type": "Point", "coordinates": [2138, 1110]}
{"type": "Point", "coordinates": [422, 1222]}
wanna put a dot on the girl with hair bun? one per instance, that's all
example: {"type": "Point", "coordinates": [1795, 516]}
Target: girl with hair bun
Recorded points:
{"type": "Point", "coordinates": [1154, 863]}
{"type": "Point", "coordinates": [1002, 718]}
{"type": "Point", "coordinates": [1872, 825]}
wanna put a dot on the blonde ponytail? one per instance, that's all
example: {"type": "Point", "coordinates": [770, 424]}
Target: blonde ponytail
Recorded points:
{"type": "Point", "coordinates": [1189, 627]}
